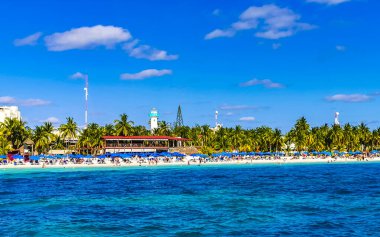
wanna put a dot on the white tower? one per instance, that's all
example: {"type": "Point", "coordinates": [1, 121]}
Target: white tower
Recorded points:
{"type": "Point", "coordinates": [86, 102]}
{"type": "Point", "coordinates": [336, 121]}
{"type": "Point", "coordinates": [216, 118]}
{"type": "Point", "coordinates": [153, 119]}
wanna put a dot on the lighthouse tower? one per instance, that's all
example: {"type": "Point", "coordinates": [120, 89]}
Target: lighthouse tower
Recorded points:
{"type": "Point", "coordinates": [336, 121]}
{"type": "Point", "coordinates": [153, 119]}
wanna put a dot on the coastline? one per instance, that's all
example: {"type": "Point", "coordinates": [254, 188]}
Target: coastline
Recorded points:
{"type": "Point", "coordinates": [181, 164]}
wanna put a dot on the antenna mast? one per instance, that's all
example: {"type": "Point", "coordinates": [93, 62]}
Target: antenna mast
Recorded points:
{"type": "Point", "coordinates": [179, 122]}
{"type": "Point", "coordinates": [86, 102]}
{"type": "Point", "coordinates": [216, 118]}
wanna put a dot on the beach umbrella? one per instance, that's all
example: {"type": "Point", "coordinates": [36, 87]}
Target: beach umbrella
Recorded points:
{"type": "Point", "coordinates": [18, 157]}
{"type": "Point", "coordinates": [199, 155]}
{"type": "Point", "coordinates": [34, 158]}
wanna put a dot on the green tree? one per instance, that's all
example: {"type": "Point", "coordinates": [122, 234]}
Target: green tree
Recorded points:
{"type": "Point", "coordinates": [90, 139]}
{"type": "Point", "coordinates": [163, 129]}
{"type": "Point", "coordinates": [15, 131]}
{"type": "Point", "coordinates": [123, 127]}
{"type": "Point", "coordinates": [69, 130]}
{"type": "Point", "coordinates": [299, 134]}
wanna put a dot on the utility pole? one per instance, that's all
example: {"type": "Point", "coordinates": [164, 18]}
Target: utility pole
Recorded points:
{"type": "Point", "coordinates": [86, 102]}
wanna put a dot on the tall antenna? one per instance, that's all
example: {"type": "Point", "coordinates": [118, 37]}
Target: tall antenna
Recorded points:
{"type": "Point", "coordinates": [179, 122]}
{"type": "Point", "coordinates": [86, 102]}
{"type": "Point", "coordinates": [336, 122]}
{"type": "Point", "coordinates": [216, 118]}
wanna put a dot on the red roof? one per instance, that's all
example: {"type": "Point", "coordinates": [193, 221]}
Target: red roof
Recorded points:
{"type": "Point", "coordinates": [144, 138]}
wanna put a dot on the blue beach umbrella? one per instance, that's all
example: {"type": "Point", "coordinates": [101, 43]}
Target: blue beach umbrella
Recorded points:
{"type": "Point", "coordinates": [18, 157]}
{"type": "Point", "coordinates": [35, 158]}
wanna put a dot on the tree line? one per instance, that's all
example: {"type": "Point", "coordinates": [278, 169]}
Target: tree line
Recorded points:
{"type": "Point", "coordinates": [301, 137]}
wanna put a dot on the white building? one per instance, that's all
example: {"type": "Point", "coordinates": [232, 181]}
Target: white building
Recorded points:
{"type": "Point", "coordinates": [9, 112]}
{"type": "Point", "coordinates": [153, 119]}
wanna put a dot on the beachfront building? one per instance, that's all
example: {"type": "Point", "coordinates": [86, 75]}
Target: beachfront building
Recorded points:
{"type": "Point", "coordinates": [124, 144]}
{"type": "Point", "coordinates": [9, 112]}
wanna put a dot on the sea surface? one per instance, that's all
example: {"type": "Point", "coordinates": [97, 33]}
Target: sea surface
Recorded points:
{"type": "Point", "coordinates": [229, 200]}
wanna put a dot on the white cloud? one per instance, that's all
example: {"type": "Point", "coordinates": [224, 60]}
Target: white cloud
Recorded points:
{"type": "Point", "coordinates": [147, 52]}
{"type": "Point", "coordinates": [340, 48]}
{"type": "Point", "coordinates": [29, 40]}
{"type": "Point", "coordinates": [7, 100]}
{"type": "Point", "coordinates": [329, 2]}
{"type": "Point", "coordinates": [50, 120]}
{"type": "Point", "coordinates": [271, 22]}
{"type": "Point", "coordinates": [87, 37]}
{"type": "Point", "coordinates": [145, 74]}
{"type": "Point", "coordinates": [220, 33]}
{"type": "Point", "coordinates": [78, 75]}
{"type": "Point", "coordinates": [266, 83]}
{"type": "Point", "coordinates": [247, 119]}
{"type": "Point", "coordinates": [108, 36]}
{"type": "Point", "coordinates": [238, 107]}
{"type": "Point", "coordinates": [34, 102]}
{"type": "Point", "coordinates": [351, 98]}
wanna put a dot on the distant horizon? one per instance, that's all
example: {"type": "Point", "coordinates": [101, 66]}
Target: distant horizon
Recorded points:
{"type": "Point", "coordinates": [261, 63]}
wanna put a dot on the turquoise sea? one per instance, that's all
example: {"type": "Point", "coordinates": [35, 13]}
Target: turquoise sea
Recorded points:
{"type": "Point", "coordinates": [236, 200]}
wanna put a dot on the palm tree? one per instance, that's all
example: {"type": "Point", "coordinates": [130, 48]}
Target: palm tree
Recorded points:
{"type": "Point", "coordinates": [277, 139]}
{"type": "Point", "coordinates": [182, 131]}
{"type": "Point", "coordinates": [163, 129]}
{"type": "Point", "coordinates": [90, 139]}
{"type": "Point", "coordinates": [364, 136]}
{"type": "Point", "coordinates": [41, 139]}
{"type": "Point", "coordinates": [222, 140]}
{"type": "Point", "coordinates": [108, 130]}
{"type": "Point", "coordinates": [351, 140]}
{"type": "Point", "coordinates": [5, 146]}
{"type": "Point", "coordinates": [375, 140]}
{"type": "Point", "coordinates": [15, 131]}
{"type": "Point", "coordinates": [69, 130]}
{"type": "Point", "coordinates": [206, 135]}
{"type": "Point", "coordinates": [336, 137]}
{"type": "Point", "coordinates": [264, 135]}
{"type": "Point", "coordinates": [237, 137]}
{"type": "Point", "coordinates": [300, 133]}
{"type": "Point", "coordinates": [123, 127]}
{"type": "Point", "coordinates": [140, 131]}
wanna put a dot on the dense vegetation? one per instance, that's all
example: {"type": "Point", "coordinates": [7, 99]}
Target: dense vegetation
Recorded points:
{"type": "Point", "coordinates": [13, 134]}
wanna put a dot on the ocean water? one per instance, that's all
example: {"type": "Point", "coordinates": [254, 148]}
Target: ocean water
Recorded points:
{"type": "Point", "coordinates": [240, 200]}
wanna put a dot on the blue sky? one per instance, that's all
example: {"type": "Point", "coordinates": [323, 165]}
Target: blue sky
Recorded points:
{"type": "Point", "coordinates": [256, 62]}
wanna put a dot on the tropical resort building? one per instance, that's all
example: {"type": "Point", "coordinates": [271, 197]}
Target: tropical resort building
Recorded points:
{"type": "Point", "coordinates": [124, 144]}
{"type": "Point", "coordinates": [9, 112]}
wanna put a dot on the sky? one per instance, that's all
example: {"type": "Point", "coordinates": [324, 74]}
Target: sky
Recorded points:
{"type": "Point", "coordinates": [256, 62]}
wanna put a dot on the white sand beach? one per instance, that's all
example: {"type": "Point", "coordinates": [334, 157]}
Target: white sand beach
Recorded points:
{"type": "Point", "coordinates": [108, 163]}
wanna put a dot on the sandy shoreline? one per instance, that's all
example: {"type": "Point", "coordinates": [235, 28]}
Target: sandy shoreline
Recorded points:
{"type": "Point", "coordinates": [234, 162]}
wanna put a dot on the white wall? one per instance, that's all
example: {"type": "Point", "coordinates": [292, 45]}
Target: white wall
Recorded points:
{"type": "Point", "coordinates": [9, 112]}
